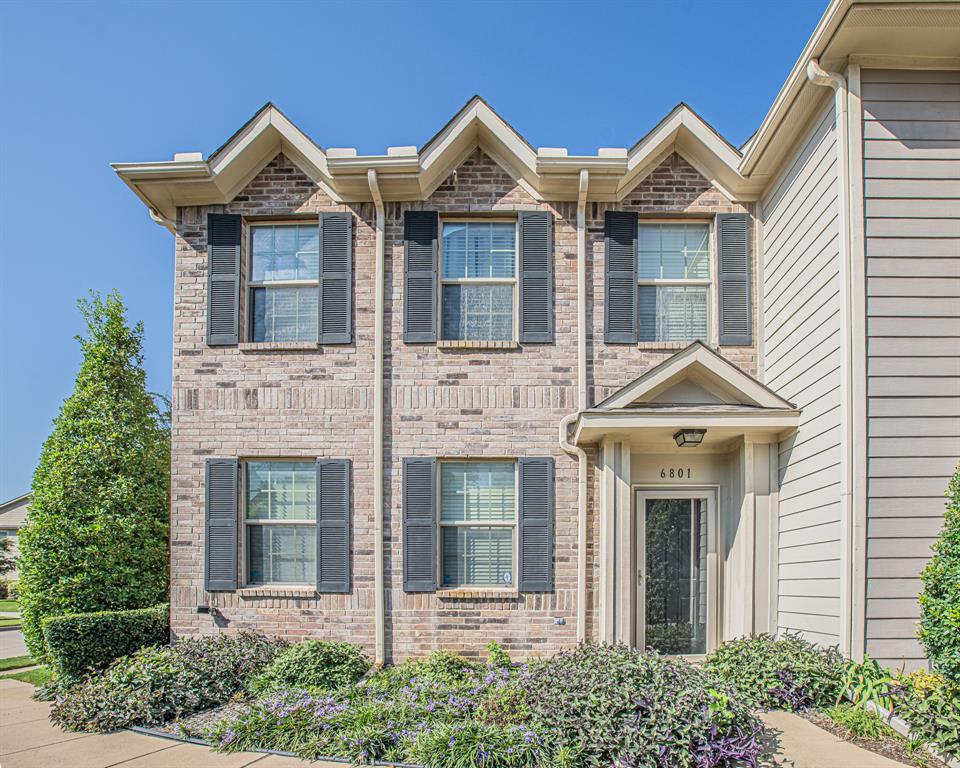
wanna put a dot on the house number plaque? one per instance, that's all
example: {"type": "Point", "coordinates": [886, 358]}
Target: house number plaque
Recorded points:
{"type": "Point", "coordinates": [675, 473]}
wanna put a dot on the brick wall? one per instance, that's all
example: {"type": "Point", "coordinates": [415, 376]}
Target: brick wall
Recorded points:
{"type": "Point", "coordinates": [243, 402]}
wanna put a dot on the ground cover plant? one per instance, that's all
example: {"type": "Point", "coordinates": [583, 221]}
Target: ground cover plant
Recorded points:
{"type": "Point", "coordinates": [778, 673]}
{"type": "Point", "coordinates": [313, 665]}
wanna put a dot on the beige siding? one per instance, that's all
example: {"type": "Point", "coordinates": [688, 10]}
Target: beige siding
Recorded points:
{"type": "Point", "coordinates": [801, 332]}
{"type": "Point", "coordinates": [911, 129]}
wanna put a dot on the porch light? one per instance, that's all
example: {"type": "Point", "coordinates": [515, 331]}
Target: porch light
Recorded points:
{"type": "Point", "coordinates": [689, 438]}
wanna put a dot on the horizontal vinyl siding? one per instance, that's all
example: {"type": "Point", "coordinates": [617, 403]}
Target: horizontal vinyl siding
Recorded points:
{"type": "Point", "coordinates": [801, 295]}
{"type": "Point", "coordinates": [911, 129]}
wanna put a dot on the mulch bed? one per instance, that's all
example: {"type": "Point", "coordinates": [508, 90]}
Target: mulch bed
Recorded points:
{"type": "Point", "coordinates": [196, 724]}
{"type": "Point", "coordinates": [894, 749]}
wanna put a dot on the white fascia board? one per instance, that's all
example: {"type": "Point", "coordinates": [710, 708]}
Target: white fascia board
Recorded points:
{"type": "Point", "coordinates": [592, 424]}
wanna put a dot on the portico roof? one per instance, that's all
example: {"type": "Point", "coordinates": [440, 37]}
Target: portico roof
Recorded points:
{"type": "Point", "coordinates": [695, 388]}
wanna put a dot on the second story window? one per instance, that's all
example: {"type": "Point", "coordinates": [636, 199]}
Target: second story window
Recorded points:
{"type": "Point", "coordinates": [674, 277]}
{"type": "Point", "coordinates": [284, 279]}
{"type": "Point", "coordinates": [478, 280]}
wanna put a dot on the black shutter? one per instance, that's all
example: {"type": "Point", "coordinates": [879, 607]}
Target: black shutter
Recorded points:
{"type": "Point", "coordinates": [220, 530]}
{"type": "Point", "coordinates": [224, 231]}
{"type": "Point", "coordinates": [536, 505]}
{"type": "Point", "coordinates": [420, 276]}
{"type": "Point", "coordinates": [620, 278]}
{"type": "Point", "coordinates": [733, 238]}
{"type": "Point", "coordinates": [333, 525]}
{"type": "Point", "coordinates": [336, 278]}
{"type": "Point", "coordinates": [419, 525]}
{"type": "Point", "coordinates": [536, 276]}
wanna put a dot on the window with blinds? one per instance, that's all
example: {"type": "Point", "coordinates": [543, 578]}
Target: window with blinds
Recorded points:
{"type": "Point", "coordinates": [478, 280]}
{"type": "Point", "coordinates": [674, 277]}
{"type": "Point", "coordinates": [284, 282]}
{"type": "Point", "coordinates": [478, 515]}
{"type": "Point", "coordinates": [281, 522]}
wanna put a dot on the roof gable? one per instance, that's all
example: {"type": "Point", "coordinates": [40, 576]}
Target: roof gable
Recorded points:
{"type": "Point", "coordinates": [696, 376]}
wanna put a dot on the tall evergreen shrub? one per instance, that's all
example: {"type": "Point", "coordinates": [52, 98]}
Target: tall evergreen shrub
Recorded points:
{"type": "Point", "coordinates": [96, 534]}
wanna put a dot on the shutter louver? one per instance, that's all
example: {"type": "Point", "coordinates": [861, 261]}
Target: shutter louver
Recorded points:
{"type": "Point", "coordinates": [333, 525]}
{"type": "Point", "coordinates": [620, 278]}
{"type": "Point", "coordinates": [220, 517]}
{"type": "Point", "coordinates": [224, 231]}
{"type": "Point", "coordinates": [536, 507]}
{"type": "Point", "coordinates": [420, 276]}
{"type": "Point", "coordinates": [336, 278]}
{"type": "Point", "coordinates": [733, 238]}
{"type": "Point", "coordinates": [536, 276]}
{"type": "Point", "coordinates": [419, 525]}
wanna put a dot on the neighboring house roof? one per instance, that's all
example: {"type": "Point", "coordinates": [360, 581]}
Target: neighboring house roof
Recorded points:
{"type": "Point", "coordinates": [13, 513]}
{"type": "Point", "coordinates": [874, 30]}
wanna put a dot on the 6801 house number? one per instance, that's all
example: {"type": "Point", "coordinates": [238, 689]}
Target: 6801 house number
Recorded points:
{"type": "Point", "coordinates": [675, 473]}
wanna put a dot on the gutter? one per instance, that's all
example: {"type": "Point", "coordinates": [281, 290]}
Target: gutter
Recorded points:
{"type": "Point", "coordinates": [565, 422]}
{"type": "Point", "coordinates": [821, 77]}
{"type": "Point", "coordinates": [379, 607]}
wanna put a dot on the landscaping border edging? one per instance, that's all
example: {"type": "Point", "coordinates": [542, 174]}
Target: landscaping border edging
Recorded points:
{"type": "Point", "coordinates": [902, 727]}
{"type": "Point", "coordinates": [143, 730]}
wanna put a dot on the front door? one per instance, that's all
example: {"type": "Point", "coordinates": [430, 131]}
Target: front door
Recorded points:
{"type": "Point", "coordinates": [676, 571]}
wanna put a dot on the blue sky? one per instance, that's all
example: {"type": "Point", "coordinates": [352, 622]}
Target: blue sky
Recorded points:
{"type": "Point", "coordinates": [86, 84]}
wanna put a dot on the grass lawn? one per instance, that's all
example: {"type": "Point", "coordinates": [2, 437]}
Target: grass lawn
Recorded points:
{"type": "Point", "coordinates": [9, 605]}
{"type": "Point", "coordinates": [15, 662]}
{"type": "Point", "coordinates": [37, 676]}
{"type": "Point", "coordinates": [9, 622]}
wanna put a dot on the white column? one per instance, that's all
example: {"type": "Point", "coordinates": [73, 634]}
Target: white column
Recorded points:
{"type": "Point", "coordinates": [625, 619]}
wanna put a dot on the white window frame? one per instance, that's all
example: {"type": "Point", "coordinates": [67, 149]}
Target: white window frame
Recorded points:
{"type": "Point", "coordinates": [245, 523]}
{"type": "Point", "coordinates": [514, 524]}
{"type": "Point", "coordinates": [253, 284]}
{"type": "Point", "coordinates": [706, 282]}
{"type": "Point", "coordinates": [514, 281]}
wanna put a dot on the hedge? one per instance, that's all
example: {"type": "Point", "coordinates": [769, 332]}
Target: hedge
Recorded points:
{"type": "Point", "coordinates": [79, 642]}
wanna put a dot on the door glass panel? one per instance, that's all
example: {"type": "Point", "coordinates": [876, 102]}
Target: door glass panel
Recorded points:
{"type": "Point", "coordinates": [675, 576]}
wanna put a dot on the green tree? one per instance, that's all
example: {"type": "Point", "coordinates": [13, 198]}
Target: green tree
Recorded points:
{"type": "Point", "coordinates": [940, 598]}
{"type": "Point", "coordinates": [96, 534]}
{"type": "Point", "coordinates": [7, 561]}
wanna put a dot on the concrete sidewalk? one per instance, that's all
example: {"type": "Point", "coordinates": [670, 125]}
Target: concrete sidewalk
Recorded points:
{"type": "Point", "coordinates": [28, 740]}
{"type": "Point", "coordinates": [798, 743]}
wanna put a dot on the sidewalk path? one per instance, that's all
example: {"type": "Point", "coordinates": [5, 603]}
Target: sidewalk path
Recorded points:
{"type": "Point", "coordinates": [798, 743]}
{"type": "Point", "coordinates": [28, 740]}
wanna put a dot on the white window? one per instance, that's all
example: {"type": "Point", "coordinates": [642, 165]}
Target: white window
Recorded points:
{"type": "Point", "coordinates": [284, 280]}
{"type": "Point", "coordinates": [478, 280]}
{"type": "Point", "coordinates": [673, 300]}
{"type": "Point", "coordinates": [478, 515]}
{"type": "Point", "coordinates": [281, 522]}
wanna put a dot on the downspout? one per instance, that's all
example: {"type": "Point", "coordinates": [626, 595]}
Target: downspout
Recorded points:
{"type": "Point", "coordinates": [819, 76]}
{"type": "Point", "coordinates": [379, 596]}
{"type": "Point", "coordinates": [565, 444]}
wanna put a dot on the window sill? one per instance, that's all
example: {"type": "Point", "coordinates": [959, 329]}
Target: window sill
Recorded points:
{"type": "Point", "coordinates": [278, 346]}
{"type": "Point", "coordinates": [477, 344]}
{"type": "Point", "coordinates": [477, 592]}
{"type": "Point", "coordinates": [294, 590]}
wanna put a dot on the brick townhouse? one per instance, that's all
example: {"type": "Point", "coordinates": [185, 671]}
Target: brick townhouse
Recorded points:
{"type": "Point", "coordinates": [664, 395]}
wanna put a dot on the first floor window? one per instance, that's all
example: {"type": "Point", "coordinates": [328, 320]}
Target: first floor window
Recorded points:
{"type": "Point", "coordinates": [478, 280]}
{"type": "Point", "coordinates": [284, 280]}
{"type": "Point", "coordinates": [281, 528]}
{"type": "Point", "coordinates": [674, 276]}
{"type": "Point", "coordinates": [478, 514]}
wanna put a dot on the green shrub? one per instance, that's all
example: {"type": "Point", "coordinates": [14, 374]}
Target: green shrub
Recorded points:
{"type": "Point", "coordinates": [7, 560]}
{"type": "Point", "coordinates": [80, 642]}
{"type": "Point", "coordinates": [315, 665]}
{"type": "Point", "coordinates": [614, 705]}
{"type": "Point", "coordinates": [940, 599]}
{"type": "Point", "coordinates": [778, 673]}
{"type": "Point", "coordinates": [154, 685]}
{"type": "Point", "coordinates": [96, 533]}
{"type": "Point", "coordinates": [933, 712]}
{"type": "Point", "coordinates": [8, 589]}
{"type": "Point", "coordinates": [860, 723]}
{"type": "Point", "coordinates": [440, 670]}
{"type": "Point", "coordinates": [868, 681]}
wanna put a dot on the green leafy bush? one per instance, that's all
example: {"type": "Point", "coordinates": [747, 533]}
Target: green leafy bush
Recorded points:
{"type": "Point", "coordinates": [933, 712]}
{"type": "Point", "coordinates": [315, 665]}
{"type": "Point", "coordinates": [868, 681]}
{"type": "Point", "coordinates": [154, 685]}
{"type": "Point", "coordinates": [96, 533]}
{"type": "Point", "coordinates": [7, 559]}
{"type": "Point", "coordinates": [614, 705]}
{"type": "Point", "coordinates": [778, 673]}
{"type": "Point", "coordinates": [940, 599]}
{"type": "Point", "coordinates": [441, 670]}
{"type": "Point", "coordinates": [80, 642]}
